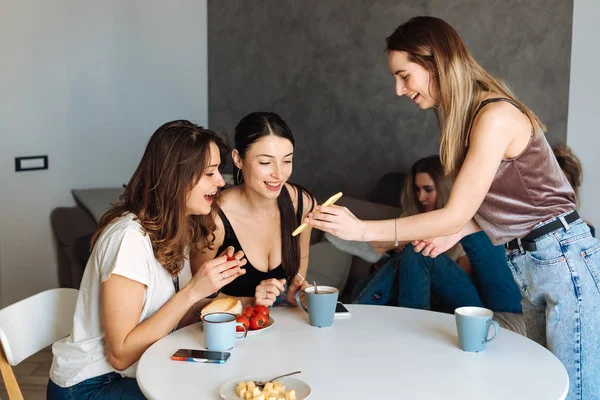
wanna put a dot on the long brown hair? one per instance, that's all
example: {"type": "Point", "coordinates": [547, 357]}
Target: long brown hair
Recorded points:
{"type": "Point", "coordinates": [174, 161]}
{"type": "Point", "coordinates": [249, 130]}
{"type": "Point", "coordinates": [432, 166]}
{"type": "Point", "coordinates": [459, 81]}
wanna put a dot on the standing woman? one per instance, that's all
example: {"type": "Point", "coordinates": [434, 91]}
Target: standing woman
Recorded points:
{"type": "Point", "coordinates": [508, 183]}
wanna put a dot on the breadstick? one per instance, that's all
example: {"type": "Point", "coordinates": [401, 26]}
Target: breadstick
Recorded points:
{"type": "Point", "coordinates": [329, 202]}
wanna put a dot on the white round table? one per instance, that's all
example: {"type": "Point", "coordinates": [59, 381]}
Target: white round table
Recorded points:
{"type": "Point", "coordinates": [377, 352]}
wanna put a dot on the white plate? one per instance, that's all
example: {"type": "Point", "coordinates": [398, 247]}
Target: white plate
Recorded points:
{"type": "Point", "coordinates": [267, 326]}
{"type": "Point", "coordinates": [302, 389]}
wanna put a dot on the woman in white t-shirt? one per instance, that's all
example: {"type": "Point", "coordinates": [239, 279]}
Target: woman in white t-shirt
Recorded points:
{"type": "Point", "coordinates": [129, 296]}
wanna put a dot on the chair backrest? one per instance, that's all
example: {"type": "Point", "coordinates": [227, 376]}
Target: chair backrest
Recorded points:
{"type": "Point", "coordinates": [36, 322]}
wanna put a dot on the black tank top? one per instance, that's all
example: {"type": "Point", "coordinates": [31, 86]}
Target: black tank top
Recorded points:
{"type": "Point", "coordinates": [245, 285]}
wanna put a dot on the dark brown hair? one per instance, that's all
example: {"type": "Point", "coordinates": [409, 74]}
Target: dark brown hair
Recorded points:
{"type": "Point", "coordinates": [570, 165]}
{"type": "Point", "coordinates": [249, 130]}
{"type": "Point", "coordinates": [175, 159]}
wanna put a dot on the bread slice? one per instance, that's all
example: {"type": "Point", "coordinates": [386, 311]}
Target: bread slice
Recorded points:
{"type": "Point", "coordinates": [223, 304]}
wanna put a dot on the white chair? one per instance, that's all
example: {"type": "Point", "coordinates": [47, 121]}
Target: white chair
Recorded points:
{"type": "Point", "coordinates": [31, 325]}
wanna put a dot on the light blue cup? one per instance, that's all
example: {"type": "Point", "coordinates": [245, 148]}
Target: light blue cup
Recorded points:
{"type": "Point", "coordinates": [219, 331]}
{"type": "Point", "coordinates": [320, 306]}
{"type": "Point", "coordinates": [473, 326]}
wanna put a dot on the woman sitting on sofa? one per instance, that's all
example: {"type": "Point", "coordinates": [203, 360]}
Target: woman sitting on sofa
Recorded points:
{"type": "Point", "coordinates": [259, 214]}
{"type": "Point", "coordinates": [129, 296]}
{"type": "Point", "coordinates": [472, 273]}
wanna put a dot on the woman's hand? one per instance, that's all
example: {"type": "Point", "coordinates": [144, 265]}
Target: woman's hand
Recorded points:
{"type": "Point", "coordinates": [229, 252]}
{"type": "Point", "coordinates": [214, 274]}
{"type": "Point", "coordinates": [338, 221]}
{"type": "Point", "coordinates": [436, 246]}
{"type": "Point", "coordinates": [296, 285]}
{"type": "Point", "coordinates": [267, 291]}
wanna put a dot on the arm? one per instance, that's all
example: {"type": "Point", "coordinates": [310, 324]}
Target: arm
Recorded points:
{"type": "Point", "coordinates": [494, 131]}
{"type": "Point", "coordinates": [122, 300]}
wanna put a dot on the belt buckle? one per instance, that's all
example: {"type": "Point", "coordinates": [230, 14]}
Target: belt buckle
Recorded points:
{"type": "Point", "coordinates": [520, 244]}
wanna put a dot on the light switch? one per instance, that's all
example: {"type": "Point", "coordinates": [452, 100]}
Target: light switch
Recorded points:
{"type": "Point", "coordinates": [31, 163]}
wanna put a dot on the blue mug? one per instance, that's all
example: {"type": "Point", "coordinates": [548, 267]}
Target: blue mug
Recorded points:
{"type": "Point", "coordinates": [473, 326]}
{"type": "Point", "coordinates": [220, 331]}
{"type": "Point", "coordinates": [320, 306]}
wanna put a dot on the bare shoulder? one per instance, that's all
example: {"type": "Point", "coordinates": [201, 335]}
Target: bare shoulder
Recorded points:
{"type": "Point", "coordinates": [501, 124]}
{"type": "Point", "coordinates": [500, 115]}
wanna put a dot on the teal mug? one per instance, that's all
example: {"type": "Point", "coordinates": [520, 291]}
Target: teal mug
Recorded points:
{"type": "Point", "coordinates": [319, 306]}
{"type": "Point", "coordinates": [220, 331]}
{"type": "Point", "coordinates": [473, 326]}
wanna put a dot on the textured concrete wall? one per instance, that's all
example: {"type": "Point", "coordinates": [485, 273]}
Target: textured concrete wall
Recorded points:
{"type": "Point", "coordinates": [320, 65]}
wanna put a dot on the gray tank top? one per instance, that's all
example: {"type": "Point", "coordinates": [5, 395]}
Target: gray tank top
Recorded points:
{"type": "Point", "coordinates": [526, 190]}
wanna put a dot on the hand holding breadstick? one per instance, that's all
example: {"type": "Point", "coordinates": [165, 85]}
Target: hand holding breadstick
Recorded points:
{"type": "Point", "coordinates": [329, 202]}
{"type": "Point", "coordinates": [339, 221]}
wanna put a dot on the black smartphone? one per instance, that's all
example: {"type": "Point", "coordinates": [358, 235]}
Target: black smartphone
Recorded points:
{"type": "Point", "coordinates": [204, 356]}
{"type": "Point", "coordinates": [341, 310]}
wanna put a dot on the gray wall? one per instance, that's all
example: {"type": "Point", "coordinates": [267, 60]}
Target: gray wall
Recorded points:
{"type": "Point", "coordinates": [85, 83]}
{"type": "Point", "coordinates": [584, 104]}
{"type": "Point", "coordinates": [320, 65]}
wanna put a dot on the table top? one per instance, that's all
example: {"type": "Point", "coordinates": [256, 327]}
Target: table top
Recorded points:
{"type": "Point", "coordinates": [377, 352]}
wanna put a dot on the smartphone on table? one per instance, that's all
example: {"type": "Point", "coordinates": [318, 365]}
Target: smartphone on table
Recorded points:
{"type": "Point", "coordinates": [202, 356]}
{"type": "Point", "coordinates": [341, 310]}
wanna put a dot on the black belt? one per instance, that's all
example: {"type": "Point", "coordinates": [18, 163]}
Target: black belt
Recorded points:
{"type": "Point", "coordinates": [527, 243]}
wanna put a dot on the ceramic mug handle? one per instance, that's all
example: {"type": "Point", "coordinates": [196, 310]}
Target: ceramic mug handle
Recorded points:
{"type": "Point", "coordinates": [496, 330]}
{"type": "Point", "coordinates": [298, 300]}
{"type": "Point", "coordinates": [243, 334]}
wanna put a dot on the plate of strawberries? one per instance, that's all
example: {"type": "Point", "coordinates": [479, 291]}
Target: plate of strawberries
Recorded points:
{"type": "Point", "coordinates": [256, 319]}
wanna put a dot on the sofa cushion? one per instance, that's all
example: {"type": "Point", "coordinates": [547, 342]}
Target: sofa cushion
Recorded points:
{"type": "Point", "coordinates": [328, 265]}
{"type": "Point", "coordinates": [97, 201]}
{"type": "Point", "coordinates": [364, 209]}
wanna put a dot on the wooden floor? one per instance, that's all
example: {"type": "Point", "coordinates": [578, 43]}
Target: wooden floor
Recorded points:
{"type": "Point", "coordinates": [32, 375]}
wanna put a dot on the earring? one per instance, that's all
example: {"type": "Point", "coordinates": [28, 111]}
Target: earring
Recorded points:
{"type": "Point", "coordinates": [239, 177]}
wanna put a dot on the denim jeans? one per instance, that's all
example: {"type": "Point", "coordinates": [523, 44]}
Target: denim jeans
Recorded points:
{"type": "Point", "coordinates": [560, 284]}
{"type": "Point", "coordinates": [108, 386]}
{"type": "Point", "coordinates": [409, 279]}
{"type": "Point", "coordinates": [491, 274]}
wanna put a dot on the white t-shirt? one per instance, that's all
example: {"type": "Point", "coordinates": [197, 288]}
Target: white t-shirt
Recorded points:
{"type": "Point", "coordinates": [122, 249]}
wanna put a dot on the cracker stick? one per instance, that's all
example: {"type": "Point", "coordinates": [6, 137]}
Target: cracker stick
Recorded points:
{"type": "Point", "coordinates": [329, 202]}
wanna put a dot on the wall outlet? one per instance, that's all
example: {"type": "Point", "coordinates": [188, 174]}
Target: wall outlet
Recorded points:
{"type": "Point", "coordinates": [31, 163]}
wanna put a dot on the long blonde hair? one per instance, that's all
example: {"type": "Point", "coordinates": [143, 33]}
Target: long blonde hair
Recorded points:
{"type": "Point", "coordinates": [432, 166]}
{"type": "Point", "coordinates": [459, 81]}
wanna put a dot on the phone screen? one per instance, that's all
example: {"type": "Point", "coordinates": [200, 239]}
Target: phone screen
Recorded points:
{"type": "Point", "coordinates": [207, 356]}
{"type": "Point", "coordinates": [340, 309]}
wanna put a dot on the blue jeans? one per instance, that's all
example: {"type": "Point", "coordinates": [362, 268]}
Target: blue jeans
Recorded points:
{"type": "Point", "coordinates": [409, 279]}
{"type": "Point", "coordinates": [491, 274]}
{"type": "Point", "coordinates": [560, 284]}
{"type": "Point", "coordinates": [108, 386]}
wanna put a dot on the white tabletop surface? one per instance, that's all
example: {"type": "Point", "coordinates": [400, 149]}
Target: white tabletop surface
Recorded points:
{"type": "Point", "coordinates": [377, 352]}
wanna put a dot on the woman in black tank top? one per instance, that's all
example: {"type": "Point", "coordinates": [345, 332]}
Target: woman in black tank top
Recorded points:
{"type": "Point", "coordinates": [508, 183]}
{"type": "Point", "coordinates": [259, 214]}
